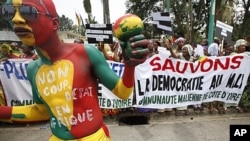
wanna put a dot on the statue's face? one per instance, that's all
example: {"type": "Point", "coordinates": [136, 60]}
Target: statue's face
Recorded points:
{"type": "Point", "coordinates": [32, 20]}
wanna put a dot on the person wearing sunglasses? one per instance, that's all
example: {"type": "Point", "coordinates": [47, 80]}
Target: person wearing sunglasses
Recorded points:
{"type": "Point", "coordinates": [64, 77]}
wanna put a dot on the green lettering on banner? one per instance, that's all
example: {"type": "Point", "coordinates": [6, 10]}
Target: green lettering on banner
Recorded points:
{"type": "Point", "coordinates": [196, 97]}
{"type": "Point", "coordinates": [214, 94]}
{"type": "Point", "coordinates": [158, 99]}
{"type": "Point", "coordinates": [121, 103]}
{"type": "Point", "coordinates": [233, 96]}
{"type": "Point", "coordinates": [205, 96]}
{"type": "Point", "coordinates": [102, 102]}
{"type": "Point", "coordinates": [108, 103]}
{"type": "Point", "coordinates": [181, 98]}
{"type": "Point", "coordinates": [163, 100]}
{"type": "Point", "coordinates": [189, 98]}
{"type": "Point", "coordinates": [224, 94]}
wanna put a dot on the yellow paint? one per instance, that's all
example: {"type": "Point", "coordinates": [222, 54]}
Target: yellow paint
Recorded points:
{"type": "Point", "coordinates": [129, 23]}
{"type": "Point", "coordinates": [121, 90]}
{"type": "Point", "coordinates": [29, 113]}
{"type": "Point", "coordinates": [54, 83]}
{"type": "Point", "coordinates": [99, 135]}
{"type": "Point", "coordinates": [28, 40]}
{"type": "Point", "coordinates": [202, 59]}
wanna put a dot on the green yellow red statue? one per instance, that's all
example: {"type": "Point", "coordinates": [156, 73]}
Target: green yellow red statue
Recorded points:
{"type": "Point", "coordinates": [64, 78]}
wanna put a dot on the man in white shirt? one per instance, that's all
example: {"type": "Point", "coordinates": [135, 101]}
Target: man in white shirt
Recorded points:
{"type": "Point", "coordinates": [213, 49]}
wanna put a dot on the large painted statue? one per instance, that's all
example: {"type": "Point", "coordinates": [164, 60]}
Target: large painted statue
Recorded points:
{"type": "Point", "coordinates": [64, 78]}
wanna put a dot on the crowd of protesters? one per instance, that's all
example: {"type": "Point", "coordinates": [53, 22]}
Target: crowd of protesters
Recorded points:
{"type": "Point", "coordinates": [179, 49]}
{"type": "Point", "coordinates": [14, 50]}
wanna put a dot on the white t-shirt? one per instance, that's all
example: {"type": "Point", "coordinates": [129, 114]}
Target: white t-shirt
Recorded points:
{"type": "Point", "coordinates": [213, 49]}
{"type": "Point", "coordinates": [199, 51]}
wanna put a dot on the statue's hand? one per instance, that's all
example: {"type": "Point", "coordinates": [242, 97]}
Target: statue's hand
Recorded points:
{"type": "Point", "coordinates": [135, 50]}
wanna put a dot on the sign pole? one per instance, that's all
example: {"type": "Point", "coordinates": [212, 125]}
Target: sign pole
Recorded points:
{"type": "Point", "coordinates": [211, 22]}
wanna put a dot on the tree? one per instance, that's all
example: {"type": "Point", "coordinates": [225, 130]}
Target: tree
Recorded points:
{"type": "Point", "coordinates": [65, 23]}
{"type": "Point", "coordinates": [3, 23]}
{"type": "Point", "coordinates": [243, 30]}
{"type": "Point", "coordinates": [143, 9]}
{"type": "Point", "coordinates": [106, 13]}
{"type": "Point", "coordinates": [88, 10]}
{"type": "Point", "coordinates": [226, 13]}
{"type": "Point", "coordinates": [190, 16]}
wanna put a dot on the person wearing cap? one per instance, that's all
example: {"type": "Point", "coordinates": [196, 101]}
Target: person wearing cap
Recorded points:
{"type": "Point", "coordinates": [6, 52]}
{"type": "Point", "coordinates": [239, 46]}
{"type": "Point", "coordinates": [28, 52]}
{"type": "Point", "coordinates": [228, 50]}
{"type": "Point", "coordinates": [187, 55]}
{"type": "Point", "coordinates": [180, 42]}
{"type": "Point", "coordinates": [15, 49]}
{"type": "Point", "coordinates": [213, 50]}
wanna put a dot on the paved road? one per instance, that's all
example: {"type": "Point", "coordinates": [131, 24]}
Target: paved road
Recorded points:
{"type": "Point", "coordinates": [161, 127]}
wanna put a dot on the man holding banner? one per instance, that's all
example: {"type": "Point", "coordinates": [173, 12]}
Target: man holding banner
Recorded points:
{"type": "Point", "coordinates": [65, 78]}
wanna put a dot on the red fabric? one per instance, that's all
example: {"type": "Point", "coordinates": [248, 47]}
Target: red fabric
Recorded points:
{"type": "Point", "coordinates": [105, 129]}
{"type": "Point", "coordinates": [128, 77]}
{"type": "Point", "coordinates": [5, 112]}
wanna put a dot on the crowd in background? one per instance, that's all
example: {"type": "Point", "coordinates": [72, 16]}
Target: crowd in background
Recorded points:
{"type": "Point", "coordinates": [185, 51]}
{"type": "Point", "coordinates": [14, 50]}
{"type": "Point", "coordinates": [179, 49]}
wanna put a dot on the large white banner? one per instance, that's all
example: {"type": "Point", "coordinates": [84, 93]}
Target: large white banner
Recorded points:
{"type": "Point", "coordinates": [163, 82]}
{"type": "Point", "coordinates": [160, 82]}
{"type": "Point", "coordinates": [15, 83]}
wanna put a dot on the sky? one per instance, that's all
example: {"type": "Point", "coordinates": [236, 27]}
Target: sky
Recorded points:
{"type": "Point", "coordinates": [68, 8]}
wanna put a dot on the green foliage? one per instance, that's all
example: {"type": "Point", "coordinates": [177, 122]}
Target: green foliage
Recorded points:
{"type": "Point", "coordinates": [65, 23]}
{"type": "Point", "coordinates": [181, 9]}
{"type": "Point", "coordinates": [4, 24]}
{"type": "Point", "coordinates": [2, 2]}
{"type": "Point", "coordinates": [143, 9]}
{"type": "Point", "coordinates": [192, 18]}
{"type": "Point", "coordinates": [87, 6]}
{"type": "Point", "coordinates": [244, 29]}
{"type": "Point", "coordinates": [245, 98]}
{"type": "Point", "coordinates": [106, 13]}
{"type": "Point", "coordinates": [88, 10]}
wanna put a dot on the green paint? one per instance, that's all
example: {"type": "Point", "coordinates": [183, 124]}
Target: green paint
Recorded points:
{"type": "Point", "coordinates": [128, 32]}
{"type": "Point", "coordinates": [18, 116]}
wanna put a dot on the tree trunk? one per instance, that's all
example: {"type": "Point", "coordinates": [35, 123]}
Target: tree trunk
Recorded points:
{"type": "Point", "coordinates": [106, 13]}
